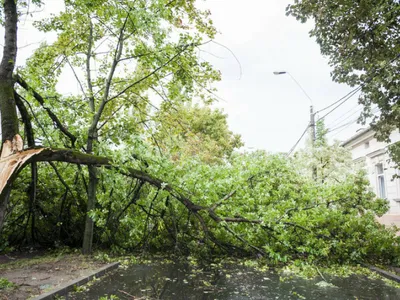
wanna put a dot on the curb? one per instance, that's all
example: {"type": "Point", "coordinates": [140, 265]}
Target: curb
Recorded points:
{"type": "Point", "coordinates": [69, 286]}
{"type": "Point", "coordinates": [385, 274]}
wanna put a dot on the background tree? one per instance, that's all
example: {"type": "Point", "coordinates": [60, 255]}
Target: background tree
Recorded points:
{"type": "Point", "coordinates": [193, 130]}
{"type": "Point", "coordinates": [362, 41]}
{"type": "Point", "coordinates": [324, 162]}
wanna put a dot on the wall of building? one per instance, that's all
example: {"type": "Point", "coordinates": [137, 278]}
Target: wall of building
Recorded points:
{"type": "Point", "coordinates": [369, 153]}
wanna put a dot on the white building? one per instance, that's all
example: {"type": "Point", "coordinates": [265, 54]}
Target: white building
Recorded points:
{"type": "Point", "coordinates": [373, 155]}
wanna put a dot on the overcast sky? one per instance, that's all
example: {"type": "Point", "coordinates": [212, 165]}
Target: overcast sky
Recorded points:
{"type": "Point", "coordinates": [270, 112]}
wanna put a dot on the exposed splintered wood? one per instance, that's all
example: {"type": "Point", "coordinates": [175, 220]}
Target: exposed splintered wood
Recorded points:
{"type": "Point", "coordinates": [13, 158]}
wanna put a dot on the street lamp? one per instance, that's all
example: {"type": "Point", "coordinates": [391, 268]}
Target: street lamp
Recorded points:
{"type": "Point", "coordinates": [312, 114]}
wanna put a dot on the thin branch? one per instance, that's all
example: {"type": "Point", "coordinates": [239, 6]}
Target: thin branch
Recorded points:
{"type": "Point", "coordinates": [58, 174]}
{"type": "Point", "coordinates": [110, 117]}
{"type": "Point", "coordinates": [106, 26]}
{"type": "Point", "coordinates": [244, 241]}
{"type": "Point", "coordinates": [148, 75]}
{"type": "Point", "coordinates": [75, 75]}
{"type": "Point", "coordinates": [135, 197]}
{"type": "Point", "coordinates": [223, 200]}
{"type": "Point", "coordinates": [88, 57]}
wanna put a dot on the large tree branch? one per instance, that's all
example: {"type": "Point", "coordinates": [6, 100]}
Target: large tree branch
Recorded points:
{"type": "Point", "coordinates": [19, 160]}
{"type": "Point", "coordinates": [40, 99]}
{"type": "Point", "coordinates": [47, 137]}
{"type": "Point", "coordinates": [26, 119]}
{"type": "Point", "coordinates": [29, 134]}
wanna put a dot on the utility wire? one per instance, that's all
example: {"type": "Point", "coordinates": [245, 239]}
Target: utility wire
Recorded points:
{"type": "Point", "coordinates": [374, 110]}
{"type": "Point", "coordinates": [341, 126]}
{"type": "Point", "coordinates": [340, 118]}
{"type": "Point", "coordinates": [298, 141]}
{"type": "Point", "coordinates": [340, 102]}
{"type": "Point", "coordinates": [348, 117]}
{"type": "Point", "coordinates": [348, 125]}
{"type": "Point", "coordinates": [343, 99]}
{"type": "Point", "coordinates": [353, 92]}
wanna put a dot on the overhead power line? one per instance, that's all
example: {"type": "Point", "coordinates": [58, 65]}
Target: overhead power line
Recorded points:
{"type": "Point", "coordinates": [343, 120]}
{"type": "Point", "coordinates": [343, 100]}
{"type": "Point", "coordinates": [344, 128]}
{"type": "Point", "coordinates": [298, 141]}
{"type": "Point", "coordinates": [374, 110]}
{"type": "Point", "coordinates": [343, 125]}
{"type": "Point", "coordinates": [354, 91]}
{"type": "Point", "coordinates": [340, 119]}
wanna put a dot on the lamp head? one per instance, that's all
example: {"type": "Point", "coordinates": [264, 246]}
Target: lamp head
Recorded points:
{"type": "Point", "coordinates": [279, 72]}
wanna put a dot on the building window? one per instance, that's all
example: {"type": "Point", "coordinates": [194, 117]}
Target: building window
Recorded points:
{"type": "Point", "coordinates": [381, 181]}
{"type": "Point", "coordinates": [366, 145]}
{"type": "Point", "coordinates": [398, 185]}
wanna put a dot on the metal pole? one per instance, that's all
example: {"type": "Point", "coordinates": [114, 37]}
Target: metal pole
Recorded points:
{"type": "Point", "coordinates": [312, 114]}
{"type": "Point", "coordinates": [313, 137]}
{"type": "Point", "coordinates": [312, 125]}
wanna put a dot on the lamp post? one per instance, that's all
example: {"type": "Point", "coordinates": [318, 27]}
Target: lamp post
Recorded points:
{"type": "Point", "coordinates": [312, 114]}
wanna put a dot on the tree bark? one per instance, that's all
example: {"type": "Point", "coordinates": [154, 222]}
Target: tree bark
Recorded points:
{"type": "Point", "coordinates": [91, 204]}
{"type": "Point", "coordinates": [30, 137]}
{"type": "Point", "coordinates": [92, 136]}
{"type": "Point", "coordinates": [8, 111]}
{"type": "Point", "coordinates": [93, 132]}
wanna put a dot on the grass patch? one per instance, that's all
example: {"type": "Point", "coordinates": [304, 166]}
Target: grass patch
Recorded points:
{"type": "Point", "coordinates": [5, 283]}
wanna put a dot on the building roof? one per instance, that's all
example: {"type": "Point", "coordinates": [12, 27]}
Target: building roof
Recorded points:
{"type": "Point", "coordinates": [356, 136]}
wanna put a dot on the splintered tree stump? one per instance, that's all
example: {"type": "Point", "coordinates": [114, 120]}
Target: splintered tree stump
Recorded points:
{"type": "Point", "coordinates": [12, 159]}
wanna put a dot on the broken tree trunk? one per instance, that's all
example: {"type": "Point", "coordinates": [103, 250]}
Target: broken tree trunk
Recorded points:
{"type": "Point", "coordinates": [8, 111]}
{"type": "Point", "coordinates": [11, 162]}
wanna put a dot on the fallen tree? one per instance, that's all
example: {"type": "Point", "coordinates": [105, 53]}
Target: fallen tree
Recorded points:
{"type": "Point", "coordinates": [135, 194]}
{"type": "Point", "coordinates": [270, 210]}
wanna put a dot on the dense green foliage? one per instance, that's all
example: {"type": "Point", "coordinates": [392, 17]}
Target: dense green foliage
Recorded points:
{"type": "Point", "coordinates": [212, 199]}
{"type": "Point", "coordinates": [330, 221]}
{"type": "Point", "coordinates": [191, 130]}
